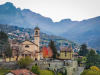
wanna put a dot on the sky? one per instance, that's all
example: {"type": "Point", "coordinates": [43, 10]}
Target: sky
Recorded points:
{"type": "Point", "coordinates": [76, 10]}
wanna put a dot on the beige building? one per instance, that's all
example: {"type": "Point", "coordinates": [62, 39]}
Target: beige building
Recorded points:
{"type": "Point", "coordinates": [28, 48]}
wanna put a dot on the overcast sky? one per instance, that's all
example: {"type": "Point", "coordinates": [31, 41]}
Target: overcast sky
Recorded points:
{"type": "Point", "coordinates": [60, 9]}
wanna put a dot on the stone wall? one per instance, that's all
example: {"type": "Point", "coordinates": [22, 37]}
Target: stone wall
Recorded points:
{"type": "Point", "coordinates": [8, 65]}
{"type": "Point", "coordinates": [70, 66]}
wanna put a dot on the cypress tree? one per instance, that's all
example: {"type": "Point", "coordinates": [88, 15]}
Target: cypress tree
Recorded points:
{"type": "Point", "coordinates": [53, 47]}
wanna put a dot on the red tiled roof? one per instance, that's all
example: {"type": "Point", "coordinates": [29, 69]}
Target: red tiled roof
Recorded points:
{"type": "Point", "coordinates": [81, 56]}
{"type": "Point", "coordinates": [22, 71]}
{"type": "Point", "coordinates": [66, 49]}
{"type": "Point", "coordinates": [75, 53]}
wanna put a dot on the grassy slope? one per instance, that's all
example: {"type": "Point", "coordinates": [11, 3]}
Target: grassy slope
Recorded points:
{"type": "Point", "coordinates": [46, 72]}
{"type": "Point", "coordinates": [3, 71]}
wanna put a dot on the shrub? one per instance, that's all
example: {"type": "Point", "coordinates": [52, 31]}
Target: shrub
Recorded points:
{"type": "Point", "coordinates": [35, 69]}
{"type": "Point", "coordinates": [24, 62]}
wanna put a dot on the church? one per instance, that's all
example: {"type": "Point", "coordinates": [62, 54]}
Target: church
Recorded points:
{"type": "Point", "coordinates": [28, 48]}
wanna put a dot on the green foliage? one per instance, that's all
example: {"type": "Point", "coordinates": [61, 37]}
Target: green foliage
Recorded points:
{"type": "Point", "coordinates": [7, 50]}
{"type": "Point", "coordinates": [79, 61]}
{"type": "Point", "coordinates": [65, 72]}
{"type": "Point", "coordinates": [53, 47]}
{"type": "Point", "coordinates": [84, 59]}
{"type": "Point", "coordinates": [83, 50]}
{"type": "Point", "coordinates": [3, 39]}
{"type": "Point", "coordinates": [24, 62]}
{"type": "Point", "coordinates": [35, 69]}
{"type": "Point", "coordinates": [3, 71]}
{"type": "Point", "coordinates": [92, 71]}
{"type": "Point", "coordinates": [92, 59]}
{"type": "Point", "coordinates": [47, 72]}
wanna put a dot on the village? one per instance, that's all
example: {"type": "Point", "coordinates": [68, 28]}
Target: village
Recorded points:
{"type": "Point", "coordinates": [64, 60]}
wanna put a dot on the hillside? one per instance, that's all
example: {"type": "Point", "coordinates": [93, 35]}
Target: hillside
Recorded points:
{"type": "Point", "coordinates": [85, 31]}
{"type": "Point", "coordinates": [21, 34]}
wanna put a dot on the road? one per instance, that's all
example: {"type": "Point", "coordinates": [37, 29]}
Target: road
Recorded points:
{"type": "Point", "coordinates": [79, 71]}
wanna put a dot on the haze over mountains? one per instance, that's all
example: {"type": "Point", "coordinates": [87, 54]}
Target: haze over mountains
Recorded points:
{"type": "Point", "coordinates": [86, 31]}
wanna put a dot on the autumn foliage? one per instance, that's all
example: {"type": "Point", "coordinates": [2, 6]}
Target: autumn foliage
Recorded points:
{"type": "Point", "coordinates": [50, 53]}
{"type": "Point", "coordinates": [44, 51]}
{"type": "Point", "coordinates": [47, 52]}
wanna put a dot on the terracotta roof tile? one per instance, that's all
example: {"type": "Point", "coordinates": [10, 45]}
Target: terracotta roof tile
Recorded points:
{"type": "Point", "coordinates": [22, 71]}
{"type": "Point", "coordinates": [66, 49]}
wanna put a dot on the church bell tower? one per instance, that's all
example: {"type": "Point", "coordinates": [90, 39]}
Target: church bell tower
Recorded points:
{"type": "Point", "coordinates": [37, 38]}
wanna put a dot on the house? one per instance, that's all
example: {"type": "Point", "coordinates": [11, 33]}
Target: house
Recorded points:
{"type": "Point", "coordinates": [66, 53]}
{"type": "Point", "coordinates": [20, 72]}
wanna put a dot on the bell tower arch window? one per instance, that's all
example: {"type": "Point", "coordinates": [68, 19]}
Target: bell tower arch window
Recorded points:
{"type": "Point", "coordinates": [36, 33]}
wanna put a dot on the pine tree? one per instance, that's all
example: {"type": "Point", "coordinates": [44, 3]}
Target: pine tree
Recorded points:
{"type": "Point", "coordinates": [83, 50]}
{"type": "Point", "coordinates": [53, 47]}
{"type": "Point", "coordinates": [3, 39]}
{"type": "Point", "coordinates": [91, 56]}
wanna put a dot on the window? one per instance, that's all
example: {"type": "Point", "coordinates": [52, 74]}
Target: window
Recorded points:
{"type": "Point", "coordinates": [26, 46]}
{"type": "Point", "coordinates": [36, 33]}
{"type": "Point", "coordinates": [65, 53]}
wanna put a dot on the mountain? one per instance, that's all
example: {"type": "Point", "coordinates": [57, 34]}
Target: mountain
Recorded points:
{"type": "Point", "coordinates": [85, 31]}
{"type": "Point", "coordinates": [10, 15]}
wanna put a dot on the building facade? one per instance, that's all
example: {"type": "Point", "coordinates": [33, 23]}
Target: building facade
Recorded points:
{"type": "Point", "coordinates": [66, 53]}
{"type": "Point", "coordinates": [28, 48]}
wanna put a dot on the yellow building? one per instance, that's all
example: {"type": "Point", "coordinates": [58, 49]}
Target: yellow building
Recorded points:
{"type": "Point", "coordinates": [66, 53]}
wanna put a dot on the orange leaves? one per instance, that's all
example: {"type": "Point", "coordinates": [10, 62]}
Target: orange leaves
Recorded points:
{"type": "Point", "coordinates": [44, 51]}
{"type": "Point", "coordinates": [50, 53]}
{"type": "Point", "coordinates": [47, 52]}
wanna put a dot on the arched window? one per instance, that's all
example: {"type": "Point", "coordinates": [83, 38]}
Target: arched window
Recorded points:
{"type": "Point", "coordinates": [36, 33]}
{"type": "Point", "coordinates": [26, 46]}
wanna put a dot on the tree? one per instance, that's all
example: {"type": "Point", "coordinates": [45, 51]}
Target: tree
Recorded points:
{"type": "Point", "coordinates": [24, 62]}
{"type": "Point", "coordinates": [92, 71]}
{"type": "Point", "coordinates": [84, 59]}
{"type": "Point", "coordinates": [79, 61]}
{"type": "Point", "coordinates": [83, 50]}
{"type": "Point", "coordinates": [44, 51]}
{"type": "Point", "coordinates": [50, 53]}
{"type": "Point", "coordinates": [90, 59]}
{"type": "Point", "coordinates": [7, 50]}
{"type": "Point", "coordinates": [35, 69]}
{"type": "Point", "coordinates": [53, 47]}
{"type": "Point", "coordinates": [3, 39]}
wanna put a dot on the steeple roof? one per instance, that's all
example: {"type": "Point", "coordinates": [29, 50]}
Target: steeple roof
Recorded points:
{"type": "Point", "coordinates": [36, 28]}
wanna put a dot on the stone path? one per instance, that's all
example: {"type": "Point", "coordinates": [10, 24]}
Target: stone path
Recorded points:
{"type": "Point", "coordinates": [79, 71]}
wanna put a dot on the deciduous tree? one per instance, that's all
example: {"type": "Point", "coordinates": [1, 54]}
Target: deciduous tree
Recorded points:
{"type": "Point", "coordinates": [50, 53]}
{"type": "Point", "coordinates": [44, 51]}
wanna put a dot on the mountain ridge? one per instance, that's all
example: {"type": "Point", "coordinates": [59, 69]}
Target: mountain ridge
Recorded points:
{"type": "Point", "coordinates": [78, 31]}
